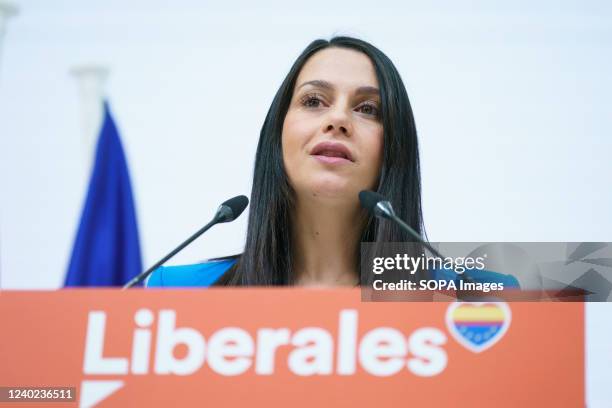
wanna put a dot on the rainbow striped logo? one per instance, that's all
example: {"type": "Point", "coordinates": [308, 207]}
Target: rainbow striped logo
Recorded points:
{"type": "Point", "coordinates": [477, 326]}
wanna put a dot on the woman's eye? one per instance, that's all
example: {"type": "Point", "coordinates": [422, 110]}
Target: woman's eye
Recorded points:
{"type": "Point", "coordinates": [311, 101]}
{"type": "Point", "coordinates": [368, 109]}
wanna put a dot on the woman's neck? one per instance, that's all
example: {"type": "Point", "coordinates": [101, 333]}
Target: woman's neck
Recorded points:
{"type": "Point", "coordinates": [326, 238]}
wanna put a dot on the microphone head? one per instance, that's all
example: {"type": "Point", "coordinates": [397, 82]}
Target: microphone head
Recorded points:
{"type": "Point", "coordinates": [376, 204]}
{"type": "Point", "coordinates": [232, 208]}
{"type": "Point", "coordinates": [369, 199]}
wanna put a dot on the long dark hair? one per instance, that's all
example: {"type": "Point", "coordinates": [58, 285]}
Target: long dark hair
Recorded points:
{"type": "Point", "coordinates": [267, 258]}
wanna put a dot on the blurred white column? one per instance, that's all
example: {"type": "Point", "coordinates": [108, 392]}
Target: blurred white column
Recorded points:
{"type": "Point", "coordinates": [7, 10]}
{"type": "Point", "coordinates": [91, 81]}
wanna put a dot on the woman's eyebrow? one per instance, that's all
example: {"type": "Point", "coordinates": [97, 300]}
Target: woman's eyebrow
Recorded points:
{"type": "Point", "coordinates": [362, 90]}
{"type": "Point", "coordinates": [367, 90]}
{"type": "Point", "coordinates": [319, 83]}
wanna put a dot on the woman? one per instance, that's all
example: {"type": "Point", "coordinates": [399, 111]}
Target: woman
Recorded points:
{"type": "Point", "coordinates": [340, 123]}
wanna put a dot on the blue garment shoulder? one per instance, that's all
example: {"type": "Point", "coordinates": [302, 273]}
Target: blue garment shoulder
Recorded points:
{"type": "Point", "coordinates": [196, 275]}
{"type": "Point", "coordinates": [478, 276]}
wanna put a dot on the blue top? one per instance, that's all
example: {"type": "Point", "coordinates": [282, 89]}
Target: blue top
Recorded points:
{"type": "Point", "coordinates": [478, 276]}
{"type": "Point", "coordinates": [206, 273]}
{"type": "Point", "coordinates": [202, 274]}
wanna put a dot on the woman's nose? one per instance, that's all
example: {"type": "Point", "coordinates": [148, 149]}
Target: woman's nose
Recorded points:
{"type": "Point", "coordinates": [338, 120]}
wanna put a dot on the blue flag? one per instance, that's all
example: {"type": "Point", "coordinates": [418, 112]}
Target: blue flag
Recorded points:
{"type": "Point", "coordinates": [106, 250]}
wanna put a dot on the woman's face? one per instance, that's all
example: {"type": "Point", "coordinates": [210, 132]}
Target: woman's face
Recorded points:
{"type": "Point", "coordinates": [332, 134]}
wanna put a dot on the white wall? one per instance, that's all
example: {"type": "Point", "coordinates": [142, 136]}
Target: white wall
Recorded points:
{"type": "Point", "coordinates": [512, 103]}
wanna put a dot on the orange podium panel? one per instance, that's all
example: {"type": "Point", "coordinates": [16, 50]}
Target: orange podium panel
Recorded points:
{"type": "Point", "coordinates": [289, 347]}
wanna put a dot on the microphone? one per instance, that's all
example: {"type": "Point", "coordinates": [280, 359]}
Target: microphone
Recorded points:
{"type": "Point", "coordinates": [231, 209]}
{"type": "Point", "coordinates": [380, 207]}
{"type": "Point", "coordinates": [228, 211]}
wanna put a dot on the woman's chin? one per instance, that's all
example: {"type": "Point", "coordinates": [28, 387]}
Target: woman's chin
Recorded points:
{"type": "Point", "coordinates": [334, 189]}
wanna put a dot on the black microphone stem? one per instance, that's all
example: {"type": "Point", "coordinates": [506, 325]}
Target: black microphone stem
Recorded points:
{"type": "Point", "coordinates": [143, 275]}
{"type": "Point", "coordinates": [415, 235]}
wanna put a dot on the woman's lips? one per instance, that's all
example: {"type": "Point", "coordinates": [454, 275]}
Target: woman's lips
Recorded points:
{"type": "Point", "coordinates": [331, 159]}
{"type": "Point", "coordinates": [332, 153]}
